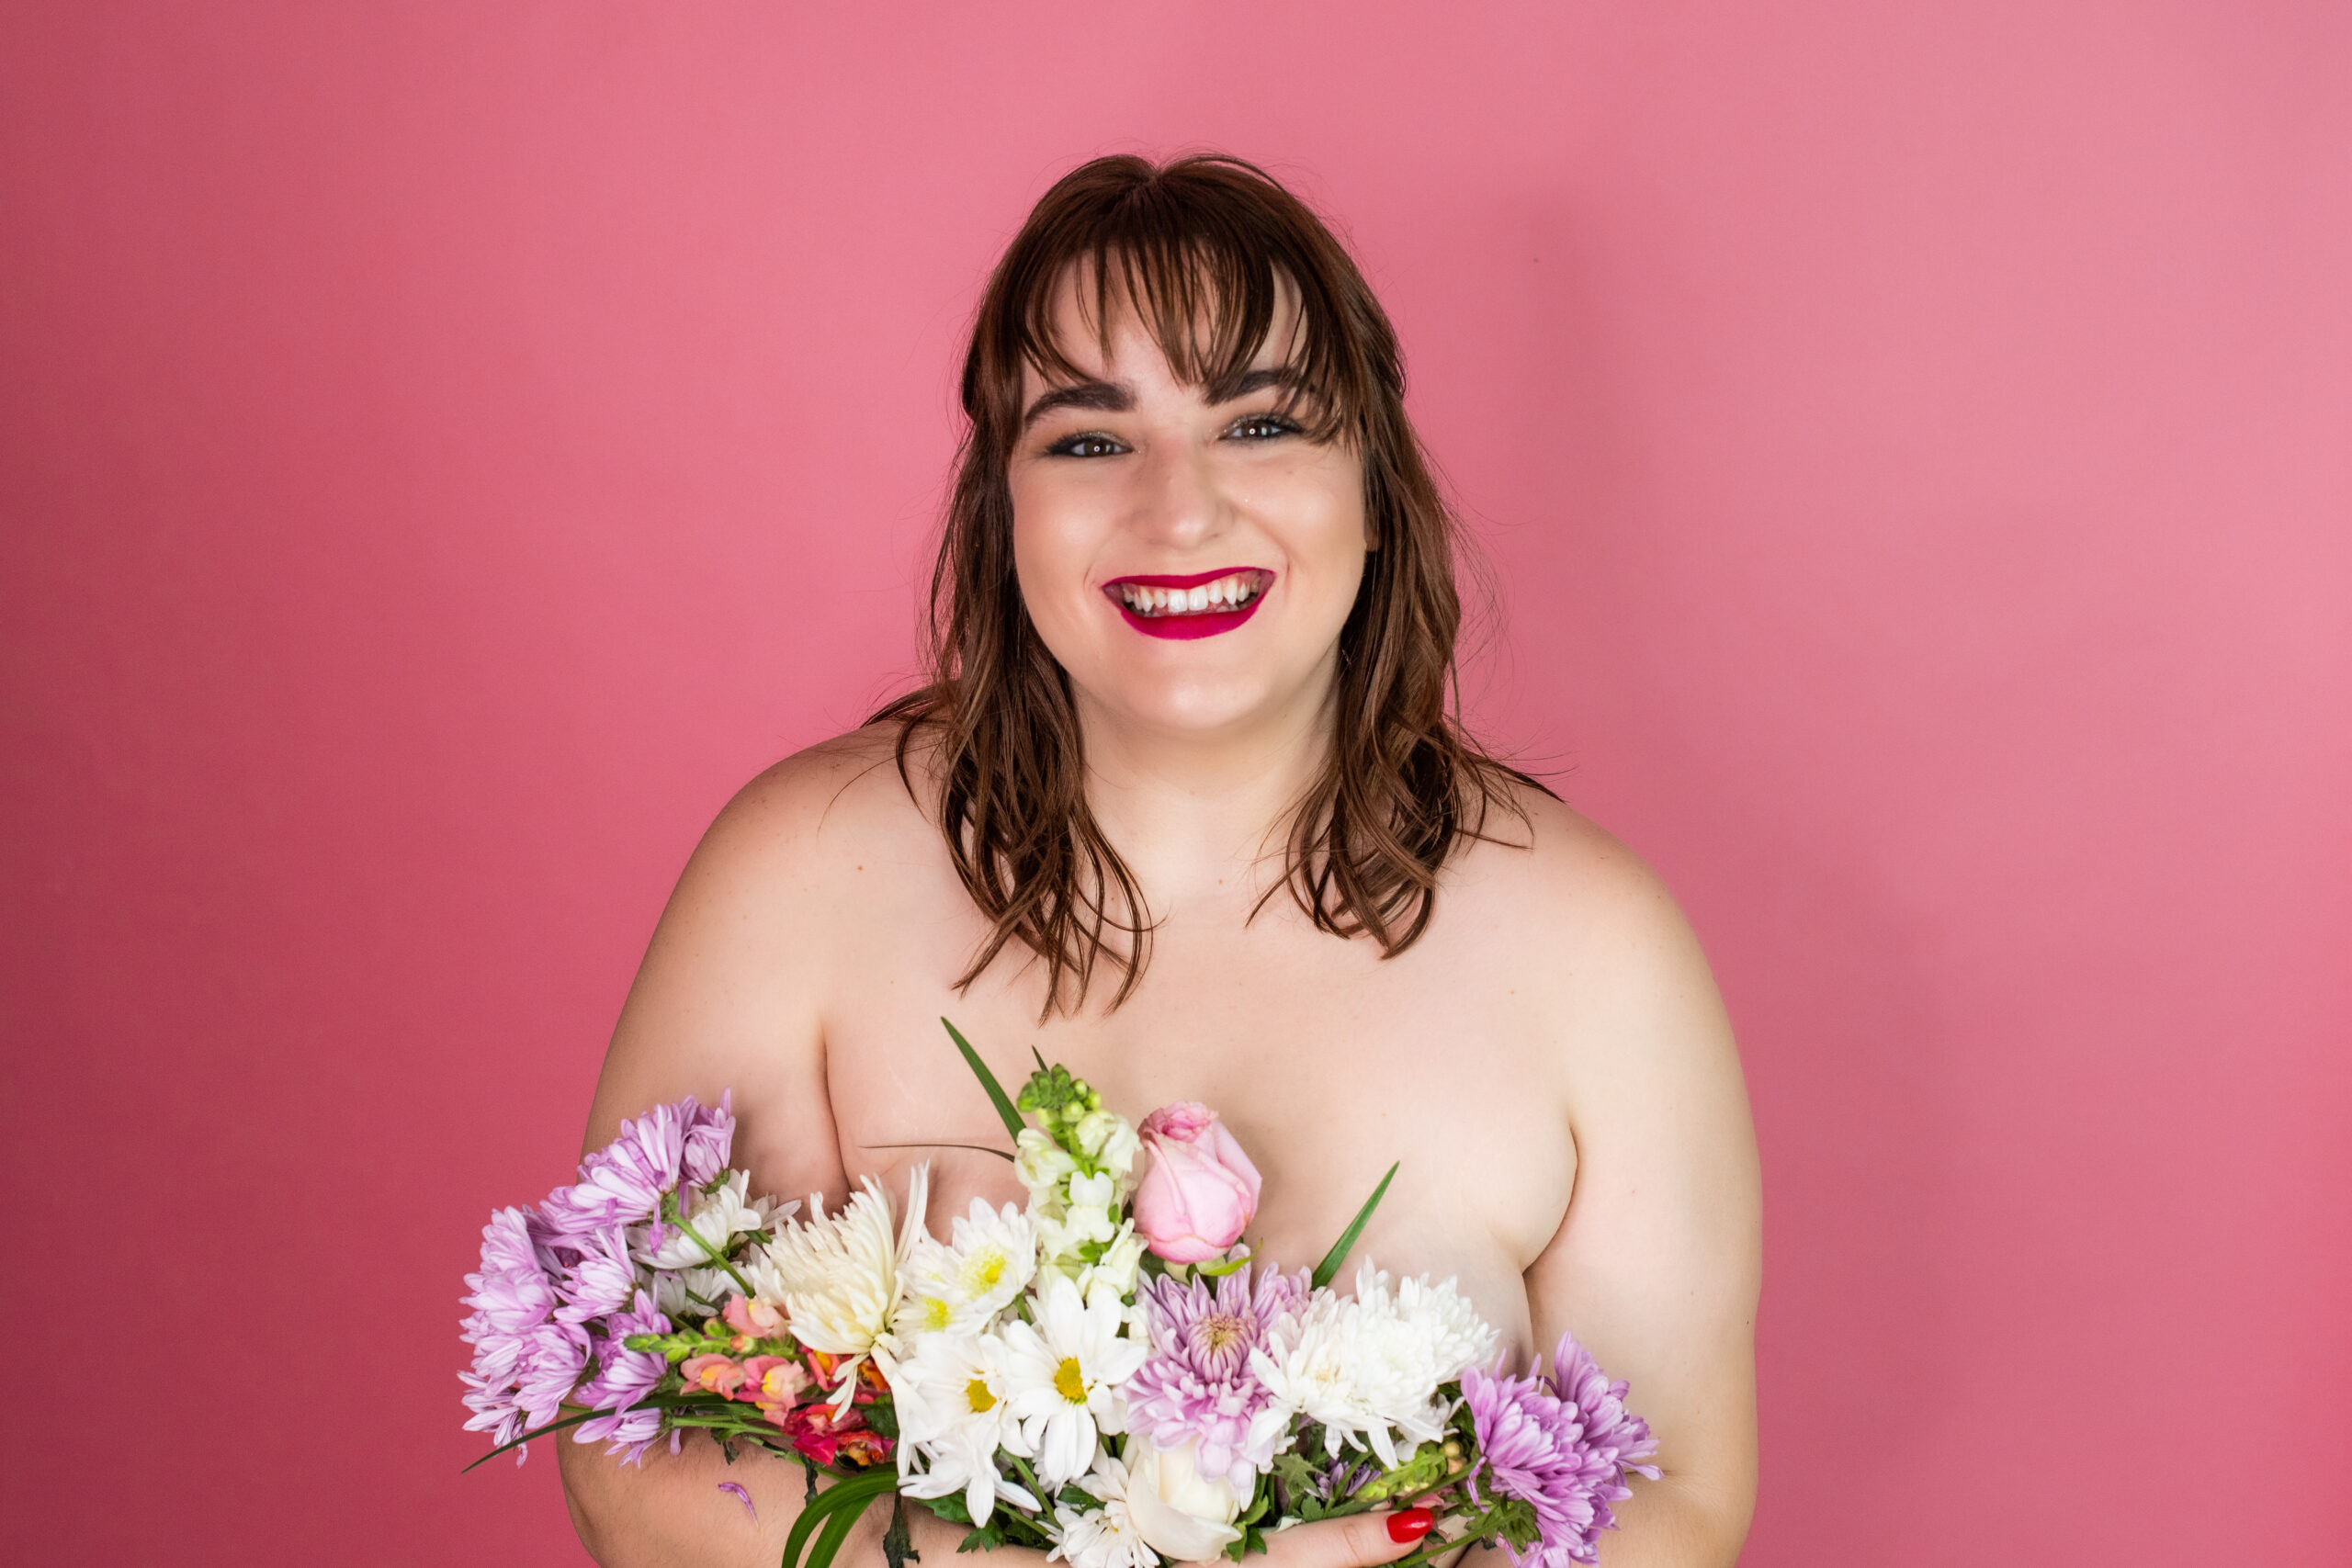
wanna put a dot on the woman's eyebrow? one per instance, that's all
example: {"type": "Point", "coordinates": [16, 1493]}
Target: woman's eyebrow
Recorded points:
{"type": "Point", "coordinates": [1250, 381]}
{"type": "Point", "coordinates": [1109, 397]}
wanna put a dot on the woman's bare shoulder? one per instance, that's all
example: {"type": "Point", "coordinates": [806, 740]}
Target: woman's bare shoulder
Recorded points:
{"type": "Point", "coordinates": [1565, 878]}
{"type": "Point", "coordinates": [800, 835]}
{"type": "Point", "coordinates": [835, 799]}
{"type": "Point", "coordinates": [1605, 950]}
{"type": "Point", "coordinates": [734, 988]}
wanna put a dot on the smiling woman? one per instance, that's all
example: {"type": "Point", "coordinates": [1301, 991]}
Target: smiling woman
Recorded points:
{"type": "Point", "coordinates": [1185, 804]}
{"type": "Point", "coordinates": [1185, 401]}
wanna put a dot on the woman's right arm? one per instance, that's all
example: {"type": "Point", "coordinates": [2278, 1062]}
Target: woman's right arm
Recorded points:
{"type": "Point", "coordinates": [730, 996]}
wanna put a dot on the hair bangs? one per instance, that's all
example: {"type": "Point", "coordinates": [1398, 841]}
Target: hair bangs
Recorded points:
{"type": "Point", "coordinates": [1210, 271]}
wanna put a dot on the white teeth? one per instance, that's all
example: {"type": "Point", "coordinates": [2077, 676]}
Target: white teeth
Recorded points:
{"type": "Point", "coordinates": [1225, 594]}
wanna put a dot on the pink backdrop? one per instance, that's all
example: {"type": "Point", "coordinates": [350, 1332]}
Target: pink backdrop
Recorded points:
{"type": "Point", "coordinates": [447, 448]}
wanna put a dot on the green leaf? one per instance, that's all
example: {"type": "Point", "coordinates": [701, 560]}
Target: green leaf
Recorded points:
{"type": "Point", "coordinates": [1004, 1155]}
{"type": "Point", "coordinates": [851, 1495]}
{"type": "Point", "coordinates": [1004, 1110]}
{"type": "Point", "coordinates": [838, 1524]}
{"type": "Point", "coordinates": [534, 1432]}
{"type": "Point", "coordinates": [1326, 1270]}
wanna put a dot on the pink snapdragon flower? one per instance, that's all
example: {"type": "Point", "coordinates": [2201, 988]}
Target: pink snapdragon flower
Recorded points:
{"type": "Point", "coordinates": [712, 1374]}
{"type": "Point", "coordinates": [774, 1380]}
{"type": "Point", "coordinates": [1200, 1192]}
{"type": "Point", "coordinates": [752, 1318]}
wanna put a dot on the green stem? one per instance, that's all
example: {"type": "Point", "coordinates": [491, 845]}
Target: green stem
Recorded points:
{"type": "Point", "coordinates": [670, 1212]}
{"type": "Point", "coordinates": [1029, 1479]}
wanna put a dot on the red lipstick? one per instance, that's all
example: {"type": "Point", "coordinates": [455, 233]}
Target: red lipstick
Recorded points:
{"type": "Point", "coordinates": [1151, 602]}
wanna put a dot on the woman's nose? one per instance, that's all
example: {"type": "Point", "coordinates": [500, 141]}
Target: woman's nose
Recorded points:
{"type": "Point", "coordinates": [1179, 499]}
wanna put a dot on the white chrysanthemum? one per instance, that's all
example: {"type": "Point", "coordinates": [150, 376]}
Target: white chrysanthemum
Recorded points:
{"type": "Point", "coordinates": [1368, 1369]}
{"type": "Point", "coordinates": [1064, 1374]}
{"type": "Point", "coordinates": [960, 1286]}
{"type": "Point", "coordinates": [838, 1277]}
{"type": "Point", "coordinates": [718, 1216]}
{"type": "Point", "coordinates": [1103, 1537]}
{"type": "Point", "coordinates": [955, 1412]}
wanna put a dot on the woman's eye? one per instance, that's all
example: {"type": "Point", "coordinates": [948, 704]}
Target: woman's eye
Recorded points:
{"type": "Point", "coordinates": [1085, 444]}
{"type": "Point", "coordinates": [1263, 427]}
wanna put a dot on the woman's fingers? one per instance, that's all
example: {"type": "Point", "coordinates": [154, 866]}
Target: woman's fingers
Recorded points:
{"type": "Point", "coordinates": [1359, 1540]}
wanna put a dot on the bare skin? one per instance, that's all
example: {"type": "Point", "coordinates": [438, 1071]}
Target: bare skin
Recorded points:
{"type": "Point", "coordinates": [1550, 1061]}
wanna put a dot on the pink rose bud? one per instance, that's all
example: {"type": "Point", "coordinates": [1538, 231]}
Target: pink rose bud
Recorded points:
{"type": "Point", "coordinates": [1200, 1192]}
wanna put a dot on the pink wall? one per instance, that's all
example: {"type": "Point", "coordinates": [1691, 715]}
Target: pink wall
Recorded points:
{"type": "Point", "coordinates": [445, 449]}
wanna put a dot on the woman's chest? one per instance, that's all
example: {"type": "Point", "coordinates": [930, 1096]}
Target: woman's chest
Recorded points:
{"type": "Point", "coordinates": [1327, 1063]}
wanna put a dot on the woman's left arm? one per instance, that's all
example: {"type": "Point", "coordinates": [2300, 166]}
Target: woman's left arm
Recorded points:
{"type": "Point", "coordinates": [1656, 1266]}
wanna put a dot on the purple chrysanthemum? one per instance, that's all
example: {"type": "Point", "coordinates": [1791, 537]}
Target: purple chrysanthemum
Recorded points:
{"type": "Point", "coordinates": [1562, 1445]}
{"type": "Point", "coordinates": [1198, 1384]}
{"type": "Point", "coordinates": [622, 1183]}
{"type": "Point", "coordinates": [601, 1278]}
{"type": "Point", "coordinates": [623, 1377]}
{"type": "Point", "coordinates": [525, 1362]}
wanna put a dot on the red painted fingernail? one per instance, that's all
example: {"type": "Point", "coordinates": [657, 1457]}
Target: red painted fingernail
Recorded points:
{"type": "Point", "coordinates": [1410, 1524]}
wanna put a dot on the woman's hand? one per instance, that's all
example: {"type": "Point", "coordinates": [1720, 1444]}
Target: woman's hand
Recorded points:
{"type": "Point", "coordinates": [1359, 1541]}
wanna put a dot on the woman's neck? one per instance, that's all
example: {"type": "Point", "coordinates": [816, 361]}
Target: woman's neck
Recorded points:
{"type": "Point", "coordinates": [1192, 813]}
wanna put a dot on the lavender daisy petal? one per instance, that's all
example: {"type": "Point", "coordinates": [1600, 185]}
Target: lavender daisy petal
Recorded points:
{"type": "Point", "coordinates": [602, 1278]}
{"type": "Point", "coordinates": [623, 1377]}
{"type": "Point", "coordinates": [1608, 1426]}
{"type": "Point", "coordinates": [511, 1297]}
{"type": "Point", "coordinates": [623, 1182]}
{"type": "Point", "coordinates": [1563, 1447]}
{"type": "Point", "coordinates": [709, 1137]}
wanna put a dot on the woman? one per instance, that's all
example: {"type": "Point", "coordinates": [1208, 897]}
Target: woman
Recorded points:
{"type": "Point", "coordinates": [1183, 808]}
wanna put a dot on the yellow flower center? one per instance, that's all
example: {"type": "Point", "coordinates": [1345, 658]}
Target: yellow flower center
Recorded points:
{"type": "Point", "coordinates": [984, 1270]}
{"type": "Point", "coordinates": [936, 1311]}
{"type": "Point", "coordinates": [977, 1394]}
{"type": "Point", "coordinates": [1069, 1381]}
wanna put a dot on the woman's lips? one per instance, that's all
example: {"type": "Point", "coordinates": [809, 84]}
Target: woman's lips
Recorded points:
{"type": "Point", "coordinates": [1197, 605]}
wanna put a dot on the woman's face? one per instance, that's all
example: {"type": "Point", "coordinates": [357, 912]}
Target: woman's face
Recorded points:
{"type": "Point", "coordinates": [1189, 562]}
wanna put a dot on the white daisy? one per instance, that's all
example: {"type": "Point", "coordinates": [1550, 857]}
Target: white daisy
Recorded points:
{"type": "Point", "coordinates": [1065, 1373]}
{"type": "Point", "coordinates": [1105, 1537]}
{"type": "Point", "coordinates": [954, 1415]}
{"type": "Point", "coordinates": [692, 1292]}
{"type": "Point", "coordinates": [1368, 1369]}
{"type": "Point", "coordinates": [962, 1285]}
{"type": "Point", "coordinates": [838, 1278]}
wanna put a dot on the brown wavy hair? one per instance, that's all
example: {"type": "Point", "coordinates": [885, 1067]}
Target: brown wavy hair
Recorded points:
{"type": "Point", "coordinates": [1203, 250]}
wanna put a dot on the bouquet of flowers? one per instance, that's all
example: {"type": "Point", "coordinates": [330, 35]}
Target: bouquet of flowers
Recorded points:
{"type": "Point", "coordinates": [1104, 1372]}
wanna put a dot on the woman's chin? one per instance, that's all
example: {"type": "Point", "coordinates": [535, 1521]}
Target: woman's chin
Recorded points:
{"type": "Point", "coordinates": [1193, 712]}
